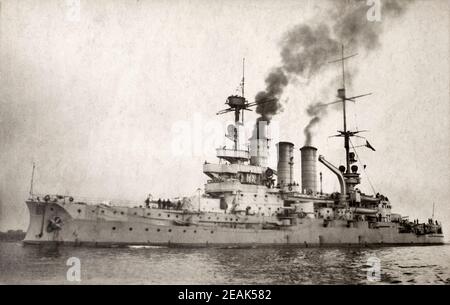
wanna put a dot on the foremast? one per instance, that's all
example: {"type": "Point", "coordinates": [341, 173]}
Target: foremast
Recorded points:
{"type": "Point", "coordinates": [240, 169]}
{"type": "Point", "coordinates": [238, 104]}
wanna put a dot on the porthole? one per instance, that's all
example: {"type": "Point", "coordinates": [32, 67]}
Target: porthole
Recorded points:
{"type": "Point", "coordinates": [103, 212]}
{"type": "Point", "coordinates": [168, 215]}
{"type": "Point", "coordinates": [212, 232]}
{"type": "Point", "coordinates": [209, 217]}
{"type": "Point", "coordinates": [159, 214]}
{"type": "Point", "coordinates": [135, 213]}
{"type": "Point", "coordinates": [170, 230]}
{"type": "Point", "coordinates": [121, 213]}
{"type": "Point", "coordinates": [262, 214]}
{"type": "Point", "coordinates": [93, 211]}
{"type": "Point", "coordinates": [115, 212]}
{"type": "Point", "coordinates": [52, 209]}
{"type": "Point", "coordinates": [79, 211]}
{"type": "Point", "coordinates": [114, 228]}
{"type": "Point", "coordinates": [255, 195]}
{"type": "Point", "coordinates": [195, 231]}
{"type": "Point", "coordinates": [148, 214]}
{"type": "Point", "coordinates": [242, 195]}
{"type": "Point", "coordinates": [184, 231]}
{"type": "Point", "coordinates": [158, 230]}
{"type": "Point", "coordinates": [176, 216]}
{"type": "Point", "coordinates": [131, 229]}
{"type": "Point", "coordinates": [226, 218]}
{"type": "Point", "coordinates": [146, 229]}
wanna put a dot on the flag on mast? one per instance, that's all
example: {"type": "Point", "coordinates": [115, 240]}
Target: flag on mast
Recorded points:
{"type": "Point", "coordinates": [369, 146]}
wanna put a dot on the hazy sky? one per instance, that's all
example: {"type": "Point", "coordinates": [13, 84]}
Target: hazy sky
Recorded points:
{"type": "Point", "coordinates": [95, 97]}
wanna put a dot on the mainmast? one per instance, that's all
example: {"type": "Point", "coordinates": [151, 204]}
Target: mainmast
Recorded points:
{"type": "Point", "coordinates": [352, 178]}
{"type": "Point", "coordinates": [343, 99]}
{"type": "Point", "coordinates": [342, 96]}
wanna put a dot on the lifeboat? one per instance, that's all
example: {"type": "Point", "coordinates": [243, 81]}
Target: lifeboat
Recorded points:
{"type": "Point", "coordinates": [364, 211]}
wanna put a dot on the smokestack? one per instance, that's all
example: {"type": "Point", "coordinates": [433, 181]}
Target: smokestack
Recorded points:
{"type": "Point", "coordinates": [259, 148]}
{"type": "Point", "coordinates": [309, 177]}
{"type": "Point", "coordinates": [285, 167]}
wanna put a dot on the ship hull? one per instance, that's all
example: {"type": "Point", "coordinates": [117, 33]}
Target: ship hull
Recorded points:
{"type": "Point", "coordinates": [95, 225]}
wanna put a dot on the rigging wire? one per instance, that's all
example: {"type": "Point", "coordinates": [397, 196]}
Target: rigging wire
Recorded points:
{"type": "Point", "coordinates": [364, 169]}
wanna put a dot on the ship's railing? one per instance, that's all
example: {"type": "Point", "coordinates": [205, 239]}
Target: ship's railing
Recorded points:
{"type": "Point", "coordinates": [231, 153]}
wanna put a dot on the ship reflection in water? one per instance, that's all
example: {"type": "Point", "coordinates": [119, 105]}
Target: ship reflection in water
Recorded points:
{"type": "Point", "coordinates": [161, 265]}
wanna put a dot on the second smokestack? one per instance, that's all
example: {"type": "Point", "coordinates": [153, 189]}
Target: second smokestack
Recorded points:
{"type": "Point", "coordinates": [285, 168]}
{"type": "Point", "coordinates": [309, 176]}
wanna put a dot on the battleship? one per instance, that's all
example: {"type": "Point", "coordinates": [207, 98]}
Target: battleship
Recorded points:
{"type": "Point", "coordinates": [245, 203]}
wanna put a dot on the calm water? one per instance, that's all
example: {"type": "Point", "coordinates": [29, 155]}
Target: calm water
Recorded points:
{"type": "Point", "coordinates": [160, 265]}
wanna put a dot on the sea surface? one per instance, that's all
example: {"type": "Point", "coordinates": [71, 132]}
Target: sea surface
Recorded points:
{"type": "Point", "coordinates": [23, 264]}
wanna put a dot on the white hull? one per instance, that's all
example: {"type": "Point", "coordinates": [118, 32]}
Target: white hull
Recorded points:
{"type": "Point", "coordinates": [103, 225]}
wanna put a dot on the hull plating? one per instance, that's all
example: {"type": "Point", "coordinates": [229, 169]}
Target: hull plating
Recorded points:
{"type": "Point", "coordinates": [102, 225]}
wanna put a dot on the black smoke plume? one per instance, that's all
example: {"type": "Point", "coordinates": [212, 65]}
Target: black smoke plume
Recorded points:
{"type": "Point", "coordinates": [307, 48]}
{"type": "Point", "coordinates": [315, 111]}
{"type": "Point", "coordinates": [269, 99]}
